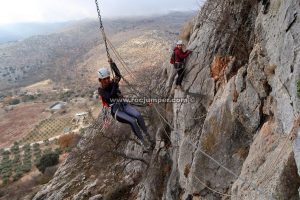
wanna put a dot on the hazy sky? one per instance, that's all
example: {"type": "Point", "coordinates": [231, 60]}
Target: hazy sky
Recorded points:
{"type": "Point", "coordinates": [12, 11]}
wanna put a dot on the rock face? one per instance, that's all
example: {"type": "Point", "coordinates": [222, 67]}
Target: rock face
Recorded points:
{"type": "Point", "coordinates": [240, 148]}
{"type": "Point", "coordinates": [231, 140]}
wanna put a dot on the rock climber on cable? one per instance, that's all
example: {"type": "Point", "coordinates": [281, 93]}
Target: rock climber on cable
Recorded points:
{"type": "Point", "coordinates": [123, 112]}
{"type": "Point", "coordinates": [179, 64]}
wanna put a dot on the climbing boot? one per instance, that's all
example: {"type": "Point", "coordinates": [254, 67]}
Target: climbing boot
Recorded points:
{"type": "Point", "coordinates": [151, 141]}
{"type": "Point", "coordinates": [145, 146]}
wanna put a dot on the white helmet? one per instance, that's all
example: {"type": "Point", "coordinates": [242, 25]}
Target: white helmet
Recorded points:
{"type": "Point", "coordinates": [179, 42]}
{"type": "Point", "coordinates": [103, 73]}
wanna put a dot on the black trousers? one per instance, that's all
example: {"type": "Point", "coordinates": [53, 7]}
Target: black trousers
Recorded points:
{"type": "Point", "coordinates": [180, 72]}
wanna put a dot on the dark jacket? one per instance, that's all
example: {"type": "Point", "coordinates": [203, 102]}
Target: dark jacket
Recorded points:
{"type": "Point", "coordinates": [116, 70]}
{"type": "Point", "coordinates": [111, 93]}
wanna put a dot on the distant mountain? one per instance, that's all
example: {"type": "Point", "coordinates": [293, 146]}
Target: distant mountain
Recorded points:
{"type": "Point", "coordinates": [72, 53]}
{"type": "Point", "coordinates": [19, 31]}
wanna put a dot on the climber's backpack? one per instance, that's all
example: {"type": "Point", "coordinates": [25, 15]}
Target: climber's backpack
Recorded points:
{"type": "Point", "coordinates": [172, 59]}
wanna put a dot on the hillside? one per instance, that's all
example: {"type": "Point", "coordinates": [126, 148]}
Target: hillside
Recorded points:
{"type": "Point", "coordinates": [62, 56]}
{"type": "Point", "coordinates": [59, 68]}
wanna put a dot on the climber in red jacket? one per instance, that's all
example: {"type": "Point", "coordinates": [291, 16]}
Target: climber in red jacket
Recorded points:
{"type": "Point", "coordinates": [180, 56]}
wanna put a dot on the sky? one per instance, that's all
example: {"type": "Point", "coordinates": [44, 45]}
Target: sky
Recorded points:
{"type": "Point", "coordinates": [15, 11]}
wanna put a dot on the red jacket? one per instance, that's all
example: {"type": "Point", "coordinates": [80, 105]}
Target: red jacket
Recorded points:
{"type": "Point", "coordinates": [180, 55]}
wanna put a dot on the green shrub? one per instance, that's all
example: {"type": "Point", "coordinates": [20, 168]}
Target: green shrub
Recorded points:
{"type": "Point", "coordinates": [14, 102]}
{"type": "Point", "coordinates": [27, 160]}
{"type": "Point", "coordinates": [81, 131]}
{"type": "Point", "coordinates": [6, 167]}
{"type": "Point", "coordinates": [2, 193]}
{"type": "Point", "coordinates": [55, 141]}
{"type": "Point", "coordinates": [19, 167]}
{"type": "Point", "coordinates": [68, 149]}
{"type": "Point", "coordinates": [36, 161]}
{"type": "Point", "coordinates": [58, 150]}
{"type": "Point", "coordinates": [38, 156]}
{"type": "Point", "coordinates": [5, 180]}
{"type": "Point", "coordinates": [27, 152]}
{"type": "Point", "coordinates": [5, 153]}
{"type": "Point", "coordinates": [26, 167]}
{"type": "Point", "coordinates": [46, 142]}
{"type": "Point", "coordinates": [26, 98]}
{"type": "Point", "coordinates": [15, 149]}
{"type": "Point", "coordinates": [36, 149]}
{"type": "Point", "coordinates": [17, 159]}
{"type": "Point", "coordinates": [36, 146]}
{"type": "Point", "coordinates": [31, 97]}
{"type": "Point", "coordinates": [27, 157]}
{"type": "Point", "coordinates": [18, 175]}
{"type": "Point", "coordinates": [26, 147]}
{"type": "Point", "coordinates": [47, 151]}
{"type": "Point", "coordinates": [47, 160]}
{"type": "Point", "coordinates": [5, 158]}
{"type": "Point", "coordinates": [6, 173]}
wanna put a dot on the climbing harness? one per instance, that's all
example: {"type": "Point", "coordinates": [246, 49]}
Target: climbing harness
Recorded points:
{"type": "Point", "coordinates": [115, 115]}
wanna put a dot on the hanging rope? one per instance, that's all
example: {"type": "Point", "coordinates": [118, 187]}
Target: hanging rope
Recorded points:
{"type": "Point", "coordinates": [120, 58]}
{"type": "Point", "coordinates": [101, 27]}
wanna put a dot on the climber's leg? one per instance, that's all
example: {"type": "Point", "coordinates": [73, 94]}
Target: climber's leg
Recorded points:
{"type": "Point", "coordinates": [130, 110]}
{"type": "Point", "coordinates": [125, 118]}
{"type": "Point", "coordinates": [180, 72]}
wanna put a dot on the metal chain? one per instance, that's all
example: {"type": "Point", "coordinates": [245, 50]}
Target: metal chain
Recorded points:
{"type": "Point", "coordinates": [101, 27]}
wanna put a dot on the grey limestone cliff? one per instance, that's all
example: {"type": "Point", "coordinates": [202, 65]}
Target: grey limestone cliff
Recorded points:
{"type": "Point", "coordinates": [231, 141]}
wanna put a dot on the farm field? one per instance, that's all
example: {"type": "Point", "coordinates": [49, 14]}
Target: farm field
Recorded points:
{"type": "Point", "coordinates": [17, 122]}
{"type": "Point", "coordinates": [48, 128]}
{"type": "Point", "coordinates": [31, 122]}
